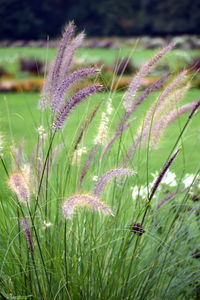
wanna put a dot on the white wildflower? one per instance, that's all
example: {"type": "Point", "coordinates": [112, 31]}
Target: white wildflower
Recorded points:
{"type": "Point", "coordinates": [47, 224]}
{"type": "Point", "coordinates": [168, 179]}
{"type": "Point", "coordinates": [41, 130]}
{"type": "Point", "coordinates": [135, 192]}
{"type": "Point", "coordinates": [140, 191]}
{"type": "Point", "coordinates": [187, 180]}
{"type": "Point", "coordinates": [95, 178]}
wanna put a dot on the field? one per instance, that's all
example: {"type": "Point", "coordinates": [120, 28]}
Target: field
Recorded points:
{"type": "Point", "coordinates": [149, 249]}
{"type": "Point", "coordinates": [21, 108]}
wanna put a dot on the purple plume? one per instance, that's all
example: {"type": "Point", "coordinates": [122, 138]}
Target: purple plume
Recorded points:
{"type": "Point", "coordinates": [122, 125]}
{"type": "Point", "coordinates": [67, 35]}
{"type": "Point", "coordinates": [71, 80]}
{"type": "Point", "coordinates": [161, 174]}
{"type": "Point", "coordinates": [108, 176]}
{"type": "Point", "coordinates": [144, 70]}
{"type": "Point", "coordinates": [26, 228]}
{"type": "Point", "coordinates": [196, 106]}
{"type": "Point", "coordinates": [69, 53]}
{"type": "Point", "coordinates": [80, 200]}
{"type": "Point", "coordinates": [75, 100]}
{"type": "Point", "coordinates": [54, 71]}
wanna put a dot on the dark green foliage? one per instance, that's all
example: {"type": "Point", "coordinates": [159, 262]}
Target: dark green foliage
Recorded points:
{"type": "Point", "coordinates": [21, 19]}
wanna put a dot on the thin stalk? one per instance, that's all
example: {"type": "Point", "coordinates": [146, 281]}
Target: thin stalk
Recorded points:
{"type": "Point", "coordinates": [43, 171]}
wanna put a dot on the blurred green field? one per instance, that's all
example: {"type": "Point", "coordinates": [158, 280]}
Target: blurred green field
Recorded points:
{"type": "Point", "coordinates": [175, 59]}
{"type": "Point", "coordinates": [20, 117]}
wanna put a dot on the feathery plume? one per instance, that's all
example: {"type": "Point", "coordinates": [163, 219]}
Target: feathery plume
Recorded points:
{"type": "Point", "coordinates": [67, 83]}
{"type": "Point", "coordinates": [84, 200]}
{"type": "Point", "coordinates": [165, 115]}
{"type": "Point", "coordinates": [144, 70]}
{"type": "Point", "coordinates": [26, 228]}
{"type": "Point", "coordinates": [122, 126]}
{"type": "Point", "coordinates": [161, 101]}
{"type": "Point", "coordinates": [159, 128]}
{"type": "Point", "coordinates": [171, 102]}
{"type": "Point", "coordinates": [67, 35]}
{"type": "Point", "coordinates": [19, 185]}
{"type": "Point", "coordinates": [108, 176]}
{"type": "Point", "coordinates": [53, 74]}
{"type": "Point", "coordinates": [75, 100]}
{"type": "Point", "coordinates": [159, 104]}
{"type": "Point", "coordinates": [69, 53]}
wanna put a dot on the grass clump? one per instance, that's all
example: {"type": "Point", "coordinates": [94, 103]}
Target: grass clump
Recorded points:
{"type": "Point", "coordinates": [139, 245]}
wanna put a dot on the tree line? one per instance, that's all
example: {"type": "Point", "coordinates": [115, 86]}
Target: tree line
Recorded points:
{"type": "Point", "coordinates": [37, 19]}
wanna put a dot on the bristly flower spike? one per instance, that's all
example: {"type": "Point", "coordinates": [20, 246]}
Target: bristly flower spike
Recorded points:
{"type": "Point", "coordinates": [67, 83]}
{"type": "Point", "coordinates": [122, 126]}
{"type": "Point", "coordinates": [79, 200]}
{"type": "Point", "coordinates": [75, 100]}
{"type": "Point", "coordinates": [194, 109]}
{"type": "Point", "coordinates": [67, 35]}
{"type": "Point", "coordinates": [162, 173]}
{"type": "Point", "coordinates": [144, 70]}
{"type": "Point", "coordinates": [54, 71]}
{"type": "Point", "coordinates": [19, 186]}
{"type": "Point", "coordinates": [26, 228]}
{"type": "Point", "coordinates": [69, 53]}
{"type": "Point", "coordinates": [108, 176]}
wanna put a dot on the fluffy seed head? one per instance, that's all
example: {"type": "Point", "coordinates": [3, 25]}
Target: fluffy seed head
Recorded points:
{"type": "Point", "coordinates": [144, 70]}
{"type": "Point", "coordinates": [19, 186]}
{"type": "Point", "coordinates": [53, 75]}
{"type": "Point", "coordinates": [79, 200]}
{"type": "Point", "coordinates": [68, 82]}
{"type": "Point", "coordinates": [69, 53]}
{"type": "Point", "coordinates": [75, 100]}
{"type": "Point", "coordinates": [108, 176]}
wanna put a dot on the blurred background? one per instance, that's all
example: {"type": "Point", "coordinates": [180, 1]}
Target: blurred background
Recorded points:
{"type": "Point", "coordinates": [22, 19]}
{"type": "Point", "coordinates": [120, 37]}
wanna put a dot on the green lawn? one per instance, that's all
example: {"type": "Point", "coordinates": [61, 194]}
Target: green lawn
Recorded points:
{"type": "Point", "coordinates": [20, 119]}
{"type": "Point", "coordinates": [176, 58]}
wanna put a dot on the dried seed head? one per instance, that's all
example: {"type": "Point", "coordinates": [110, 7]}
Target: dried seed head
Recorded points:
{"type": "Point", "coordinates": [79, 200]}
{"type": "Point", "coordinates": [19, 185]}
